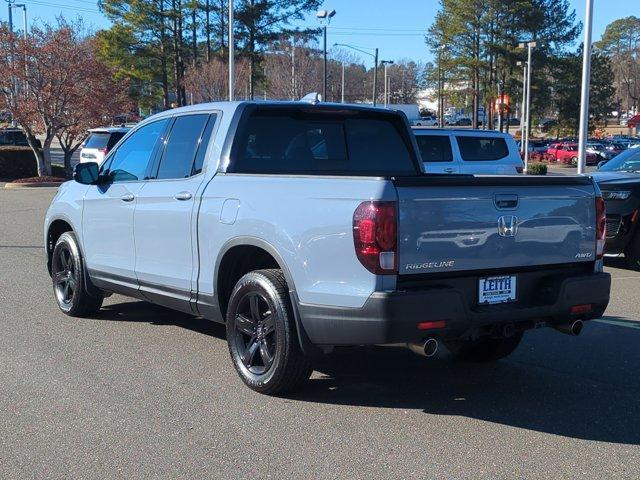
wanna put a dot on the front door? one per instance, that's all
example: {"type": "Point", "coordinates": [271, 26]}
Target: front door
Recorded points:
{"type": "Point", "coordinates": [108, 208]}
{"type": "Point", "coordinates": [164, 220]}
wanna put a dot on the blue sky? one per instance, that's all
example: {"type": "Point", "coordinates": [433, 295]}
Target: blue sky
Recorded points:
{"type": "Point", "coordinates": [398, 31]}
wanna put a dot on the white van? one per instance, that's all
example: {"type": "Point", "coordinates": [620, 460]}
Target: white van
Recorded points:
{"type": "Point", "coordinates": [483, 152]}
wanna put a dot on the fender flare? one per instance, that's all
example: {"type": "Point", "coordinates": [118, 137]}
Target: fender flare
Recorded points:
{"type": "Point", "coordinates": [306, 346]}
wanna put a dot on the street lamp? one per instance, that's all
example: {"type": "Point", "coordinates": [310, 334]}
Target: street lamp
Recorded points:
{"type": "Point", "coordinates": [375, 66]}
{"type": "Point", "coordinates": [386, 91]}
{"type": "Point", "coordinates": [584, 95]}
{"type": "Point", "coordinates": [529, 46]}
{"type": "Point", "coordinates": [440, 89]}
{"type": "Point", "coordinates": [326, 16]}
{"type": "Point", "coordinates": [524, 100]}
{"type": "Point", "coordinates": [232, 68]}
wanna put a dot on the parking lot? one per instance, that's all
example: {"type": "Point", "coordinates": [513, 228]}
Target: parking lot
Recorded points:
{"type": "Point", "coordinates": [141, 391]}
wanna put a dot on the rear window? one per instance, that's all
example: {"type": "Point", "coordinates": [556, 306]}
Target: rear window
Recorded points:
{"type": "Point", "coordinates": [333, 143]}
{"type": "Point", "coordinates": [482, 148]}
{"type": "Point", "coordinates": [115, 138]}
{"type": "Point", "coordinates": [97, 140]}
{"type": "Point", "coordinates": [434, 148]}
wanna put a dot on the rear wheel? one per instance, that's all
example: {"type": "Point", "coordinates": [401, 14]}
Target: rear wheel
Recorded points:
{"type": "Point", "coordinates": [261, 334]}
{"type": "Point", "coordinates": [485, 349]}
{"type": "Point", "coordinates": [68, 276]}
{"type": "Point", "coordinates": [574, 161]}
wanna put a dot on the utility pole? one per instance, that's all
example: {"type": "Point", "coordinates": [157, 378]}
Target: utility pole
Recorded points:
{"type": "Point", "coordinates": [232, 68]}
{"type": "Point", "coordinates": [584, 96]}
{"type": "Point", "coordinates": [326, 17]}
{"type": "Point", "coordinates": [386, 91]}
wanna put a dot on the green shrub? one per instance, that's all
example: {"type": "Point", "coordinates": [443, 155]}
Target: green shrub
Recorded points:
{"type": "Point", "coordinates": [58, 171]}
{"type": "Point", "coordinates": [537, 169]}
{"type": "Point", "coordinates": [17, 162]}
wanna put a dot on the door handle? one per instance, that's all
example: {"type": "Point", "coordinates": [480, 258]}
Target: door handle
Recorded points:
{"type": "Point", "coordinates": [182, 196]}
{"type": "Point", "coordinates": [449, 170]}
{"type": "Point", "coordinates": [127, 197]}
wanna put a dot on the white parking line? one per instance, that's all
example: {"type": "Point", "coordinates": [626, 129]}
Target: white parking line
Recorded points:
{"type": "Point", "coordinates": [620, 323]}
{"type": "Point", "coordinates": [625, 278]}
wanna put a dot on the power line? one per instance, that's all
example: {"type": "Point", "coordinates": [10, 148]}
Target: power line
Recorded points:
{"type": "Point", "coordinates": [63, 6]}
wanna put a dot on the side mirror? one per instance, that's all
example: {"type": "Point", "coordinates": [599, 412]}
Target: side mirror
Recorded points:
{"type": "Point", "coordinates": [600, 164]}
{"type": "Point", "coordinates": [86, 173]}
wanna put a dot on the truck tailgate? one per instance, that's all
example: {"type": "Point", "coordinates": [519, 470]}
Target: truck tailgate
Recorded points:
{"type": "Point", "coordinates": [462, 223]}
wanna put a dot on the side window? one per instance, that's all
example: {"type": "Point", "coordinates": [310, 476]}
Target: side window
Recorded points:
{"type": "Point", "coordinates": [435, 148]}
{"type": "Point", "coordinates": [482, 148]}
{"type": "Point", "coordinates": [131, 159]}
{"type": "Point", "coordinates": [202, 145]}
{"type": "Point", "coordinates": [179, 153]}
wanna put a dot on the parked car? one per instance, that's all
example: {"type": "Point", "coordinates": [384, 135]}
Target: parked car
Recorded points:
{"type": "Point", "coordinates": [99, 142]}
{"type": "Point", "coordinates": [463, 122]}
{"type": "Point", "coordinates": [567, 154]}
{"type": "Point", "coordinates": [614, 148]}
{"type": "Point", "coordinates": [428, 121]}
{"type": "Point", "coordinates": [547, 124]}
{"type": "Point", "coordinates": [600, 151]}
{"type": "Point", "coordinates": [300, 227]}
{"type": "Point", "coordinates": [15, 137]}
{"type": "Point", "coordinates": [619, 180]}
{"type": "Point", "coordinates": [468, 151]}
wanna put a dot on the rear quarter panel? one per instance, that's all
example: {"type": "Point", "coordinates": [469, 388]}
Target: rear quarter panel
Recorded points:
{"type": "Point", "coordinates": [307, 220]}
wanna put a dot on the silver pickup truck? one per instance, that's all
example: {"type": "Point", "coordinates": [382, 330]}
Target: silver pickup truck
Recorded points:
{"type": "Point", "coordinates": [307, 226]}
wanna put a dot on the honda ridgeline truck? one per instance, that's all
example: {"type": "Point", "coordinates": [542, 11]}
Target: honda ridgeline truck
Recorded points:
{"type": "Point", "coordinates": [305, 226]}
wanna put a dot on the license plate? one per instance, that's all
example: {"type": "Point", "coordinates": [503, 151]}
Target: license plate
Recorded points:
{"type": "Point", "coordinates": [497, 289]}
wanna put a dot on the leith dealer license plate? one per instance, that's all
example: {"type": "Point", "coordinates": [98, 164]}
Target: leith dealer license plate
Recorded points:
{"type": "Point", "coordinates": [497, 289]}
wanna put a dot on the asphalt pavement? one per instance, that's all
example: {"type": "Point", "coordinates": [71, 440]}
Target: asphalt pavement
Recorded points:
{"type": "Point", "coordinates": [140, 391]}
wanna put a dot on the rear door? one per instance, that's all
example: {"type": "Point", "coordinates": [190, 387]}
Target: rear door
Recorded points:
{"type": "Point", "coordinates": [465, 223]}
{"type": "Point", "coordinates": [437, 153]}
{"type": "Point", "coordinates": [163, 223]}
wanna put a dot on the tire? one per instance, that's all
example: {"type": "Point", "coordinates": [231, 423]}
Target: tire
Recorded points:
{"type": "Point", "coordinates": [69, 279]}
{"type": "Point", "coordinates": [574, 161]}
{"type": "Point", "coordinates": [484, 349]}
{"type": "Point", "coordinates": [261, 334]}
{"type": "Point", "coordinates": [632, 252]}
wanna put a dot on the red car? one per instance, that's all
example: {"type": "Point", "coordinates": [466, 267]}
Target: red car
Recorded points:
{"type": "Point", "coordinates": [567, 154]}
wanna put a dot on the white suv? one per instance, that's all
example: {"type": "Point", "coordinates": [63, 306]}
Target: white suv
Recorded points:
{"type": "Point", "coordinates": [485, 152]}
{"type": "Point", "coordinates": [99, 142]}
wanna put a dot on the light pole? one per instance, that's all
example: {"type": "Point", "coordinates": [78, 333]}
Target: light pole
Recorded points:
{"type": "Point", "coordinates": [375, 66]}
{"type": "Point", "coordinates": [440, 89]}
{"type": "Point", "coordinates": [342, 90]}
{"type": "Point", "coordinates": [584, 96]}
{"type": "Point", "coordinates": [232, 68]}
{"type": "Point", "coordinates": [326, 16]}
{"type": "Point", "coordinates": [530, 46]}
{"type": "Point", "coordinates": [524, 102]}
{"type": "Point", "coordinates": [386, 91]}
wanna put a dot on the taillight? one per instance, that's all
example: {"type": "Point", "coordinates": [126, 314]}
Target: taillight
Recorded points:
{"type": "Point", "coordinates": [375, 235]}
{"type": "Point", "coordinates": [103, 151]}
{"type": "Point", "coordinates": [601, 227]}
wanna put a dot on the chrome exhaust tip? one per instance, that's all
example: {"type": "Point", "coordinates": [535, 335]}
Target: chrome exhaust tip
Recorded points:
{"type": "Point", "coordinates": [572, 328]}
{"type": "Point", "coordinates": [427, 349]}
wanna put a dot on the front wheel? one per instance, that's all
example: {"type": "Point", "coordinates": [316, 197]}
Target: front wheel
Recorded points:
{"type": "Point", "coordinates": [261, 334]}
{"type": "Point", "coordinates": [68, 277]}
{"type": "Point", "coordinates": [484, 349]}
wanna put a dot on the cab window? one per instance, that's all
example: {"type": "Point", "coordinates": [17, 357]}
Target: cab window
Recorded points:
{"type": "Point", "coordinates": [131, 160]}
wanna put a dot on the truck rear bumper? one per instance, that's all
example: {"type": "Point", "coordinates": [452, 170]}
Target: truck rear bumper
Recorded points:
{"type": "Point", "coordinates": [393, 317]}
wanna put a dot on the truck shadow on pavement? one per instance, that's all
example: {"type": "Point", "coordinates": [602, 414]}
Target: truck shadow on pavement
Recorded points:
{"type": "Point", "coordinates": [585, 387]}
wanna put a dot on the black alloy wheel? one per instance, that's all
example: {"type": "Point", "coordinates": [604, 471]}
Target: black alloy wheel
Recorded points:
{"type": "Point", "coordinates": [256, 338]}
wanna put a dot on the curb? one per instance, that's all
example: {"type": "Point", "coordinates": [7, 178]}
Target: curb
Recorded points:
{"type": "Point", "coordinates": [16, 186]}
